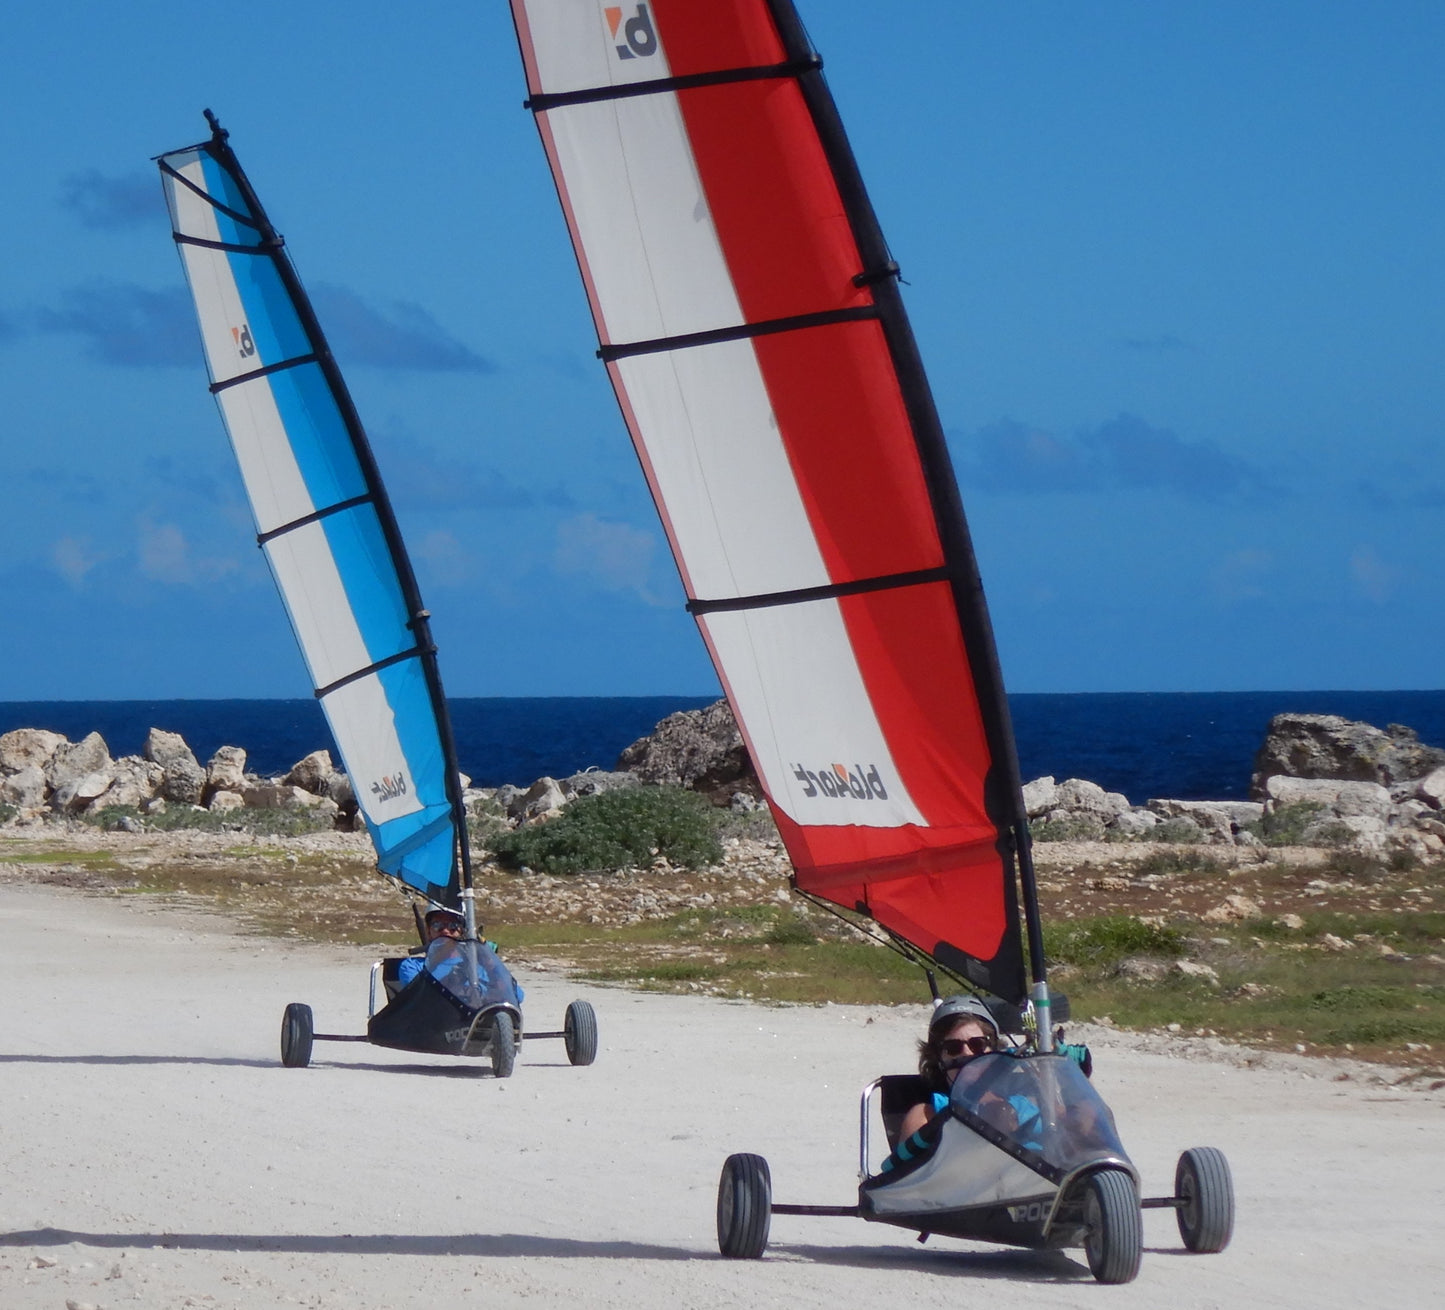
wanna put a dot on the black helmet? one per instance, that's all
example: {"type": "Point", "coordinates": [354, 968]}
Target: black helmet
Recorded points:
{"type": "Point", "coordinates": [961, 1006]}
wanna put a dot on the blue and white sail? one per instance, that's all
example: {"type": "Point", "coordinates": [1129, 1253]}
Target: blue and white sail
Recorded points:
{"type": "Point", "coordinates": [323, 520]}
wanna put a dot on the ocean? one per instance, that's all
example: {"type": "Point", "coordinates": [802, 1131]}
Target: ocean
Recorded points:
{"type": "Point", "coordinates": [1185, 745]}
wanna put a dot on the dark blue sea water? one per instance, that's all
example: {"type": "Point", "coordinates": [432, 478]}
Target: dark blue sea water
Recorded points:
{"type": "Point", "coordinates": [1191, 745]}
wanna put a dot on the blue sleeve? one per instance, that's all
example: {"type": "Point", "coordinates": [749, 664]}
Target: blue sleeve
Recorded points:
{"type": "Point", "coordinates": [409, 968]}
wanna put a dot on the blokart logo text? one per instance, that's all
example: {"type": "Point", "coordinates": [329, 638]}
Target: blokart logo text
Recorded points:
{"type": "Point", "coordinates": [639, 38]}
{"type": "Point", "coordinates": [1028, 1214]}
{"type": "Point", "coordinates": [840, 783]}
{"type": "Point", "coordinates": [388, 789]}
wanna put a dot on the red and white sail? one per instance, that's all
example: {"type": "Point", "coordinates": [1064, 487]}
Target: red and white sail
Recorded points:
{"type": "Point", "coordinates": [750, 321]}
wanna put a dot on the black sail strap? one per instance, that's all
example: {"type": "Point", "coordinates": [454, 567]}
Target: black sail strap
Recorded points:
{"type": "Point", "coordinates": [829, 591]}
{"type": "Point", "coordinates": [208, 197]}
{"type": "Point", "coordinates": [540, 103]}
{"type": "Point", "coordinates": [738, 332]}
{"type": "Point", "coordinates": [314, 517]}
{"type": "Point", "coordinates": [294, 362]}
{"type": "Point", "coordinates": [416, 652]}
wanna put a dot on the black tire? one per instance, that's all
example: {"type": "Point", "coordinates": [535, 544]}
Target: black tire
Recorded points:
{"type": "Point", "coordinates": [744, 1207]}
{"type": "Point", "coordinates": [1113, 1226]}
{"type": "Point", "coordinates": [504, 1045]}
{"type": "Point", "coordinates": [297, 1031]}
{"type": "Point", "coordinates": [579, 1033]}
{"type": "Point", "coordinates": [1203, 1184]}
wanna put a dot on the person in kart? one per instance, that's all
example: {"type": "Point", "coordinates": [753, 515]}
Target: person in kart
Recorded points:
{"type": "Point", "coordinates": [442, 926]}
{"type": "Point", "coordinates": [959, 1030]}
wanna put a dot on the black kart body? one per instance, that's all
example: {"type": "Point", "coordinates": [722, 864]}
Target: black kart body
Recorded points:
{"type": "Point", "coordinates": [446, 1009]}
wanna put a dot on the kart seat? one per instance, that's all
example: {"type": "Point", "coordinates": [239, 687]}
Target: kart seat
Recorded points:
{"type": "Point", "coordinates": [389, 980]}
{"type": "Point", "coordinates": [898, 1093]}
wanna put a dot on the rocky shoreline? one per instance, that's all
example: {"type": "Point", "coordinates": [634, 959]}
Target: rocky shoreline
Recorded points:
{"type": "Point", "coordinates": [1319, 780]}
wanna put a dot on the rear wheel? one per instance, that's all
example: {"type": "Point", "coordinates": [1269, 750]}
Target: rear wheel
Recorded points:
{"type": "Point", "coordinates": [504, 1045]}
{"type": "Point", "coordinates": [296, 1036]}
{"type": "Point", "coordinates": [744, 1207]}
{"type": "Point", "coordinates": [1113, 1226]}
{"type": "Point", "coordinates": [579, 1033]}
{"type": "Point", "coordinates": [1203, 1185]}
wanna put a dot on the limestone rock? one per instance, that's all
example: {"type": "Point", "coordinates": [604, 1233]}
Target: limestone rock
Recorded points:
{"type": "Point", "coordinates": [1193, 969]}
{"type": "Point", "coordinates": [78, 793]}
{"type": "Point", "coordinates": [596, 781]}
{"type": "Point", "coordinates": [25, 788]}
{"type": "Point", "coordinates": [164, 748]}
{"type": "Point", "coordinates": [26, 748]}
{"type": "Point", "coordinates": [1141, 968]}
{"type": "Point", "coordinates": [1090, 798]}
{"type": "Point", "coordinates": [1040, 796]}
{"type": "Point", "coordinates": [1135, 822]}
{"type": "Point", "coordinates": [226, 770]}
{"type": "Point", "coordinates": [74, 760]}
{"type": "Point", "coordinates": [1328, 746]}
{"type": "Point", "coordinates": [184, 781]}
{"type": "Point", "coordinates": [701, 749]}
{"type": "Point", "coordinates": [1232, 909]}
{"type": "Point", "coordinates": [222, 802]}
{"type": "Point", "coordinates": [1430, 788]}
{"type": "Point", "coordinates": [540, 801]}
{"type": "Point", "coordinates": [313, 773]}
{"type": "Point", "coordinates": [136, 781]}
{"type": "Point", "coordinates": [1340, 798]}
{"type": "Point", "coordinates": [278, 796]}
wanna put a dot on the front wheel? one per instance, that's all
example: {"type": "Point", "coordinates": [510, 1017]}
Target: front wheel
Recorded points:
{"type": "Point", "coordinates": [297, 1031]}
{"type": "Point", "coordinates": [1205, 1190]}
{"type": "Point", "coordinates": [504, 1045]}
{"type": "Point", "coordinates": [1113, 1226]}
{"type": "Point", "coordinates": [579, 1033]}
{"type": "Point", "coordinates": [744, 1207]}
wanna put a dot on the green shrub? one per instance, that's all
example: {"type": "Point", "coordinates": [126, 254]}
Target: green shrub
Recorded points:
{"type": "Point", "coordinates": [1078, 828]}
{"type": "Point", "coordinates": [177, 818]}
{"type": "Point", "coordinates": [486, 821]}
{"type": "Point", "coordinates": [1179, 830]}
{"type": "Point", "coordinates": [617, 830]}
{"type": "Point", "coordinates": [1284, 825]}
{"type": "Point", "coordinates": [7, 812]}
{"type": "Point", "coordinates": [1180, 862]}
{"type": "Point", "coordinates": [1107, 939]}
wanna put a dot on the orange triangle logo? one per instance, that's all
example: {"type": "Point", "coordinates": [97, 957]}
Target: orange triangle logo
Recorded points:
{"type": "Point", "coordinates": [614, 17]}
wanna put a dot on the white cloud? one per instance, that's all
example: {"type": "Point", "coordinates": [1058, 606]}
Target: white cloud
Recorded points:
{"type": "Point", "coordinates": [73, 559]}
{"type": "Point", "coordinates": [165, 555]}
{"type": "Point", "coordinates": [1241, 574]}
{"type": "Point", "coordinates": [1373, 578]}
{"type": "Point", "coordinates": [616, 555]}
{"type": "Point", "coordinates": [448, 563]}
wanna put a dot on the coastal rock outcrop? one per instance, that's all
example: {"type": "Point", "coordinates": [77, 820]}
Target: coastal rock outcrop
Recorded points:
{"type": "Point", "coordinates": [1326, 746]}
{"type": "Point", "coordinates": [700, 749]}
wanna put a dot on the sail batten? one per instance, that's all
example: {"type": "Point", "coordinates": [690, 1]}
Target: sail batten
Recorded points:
{"type": "Point", "coordinates": [323, 521]}
{"type": "Point", "coordinates": [748, 313]}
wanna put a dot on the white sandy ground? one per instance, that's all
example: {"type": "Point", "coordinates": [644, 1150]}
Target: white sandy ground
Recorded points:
{"type": "Point", "coordinates": [155, 1153]}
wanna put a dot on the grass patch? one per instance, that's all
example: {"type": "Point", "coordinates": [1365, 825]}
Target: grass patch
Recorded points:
{"type": "Point", "coordinates": [1076, 828]}
{"type": "Point", "coordinates": [622, 829]}
{"type": "Point", "coordinates": [1198, 862]}
{"type": "Point", "coordinates": [190, 818]}
{"type": "Point", "coordinates": [1103, 941]}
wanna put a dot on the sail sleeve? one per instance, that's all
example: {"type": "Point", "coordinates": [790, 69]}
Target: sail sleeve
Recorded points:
{"type": "Point", "coordinates": [749, 318]}
{"type": "Point", "coordinates": [322, 519]}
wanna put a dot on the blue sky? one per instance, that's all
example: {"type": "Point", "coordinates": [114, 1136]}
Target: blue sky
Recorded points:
{"type": "Point", "coordinates": [1175, 270]}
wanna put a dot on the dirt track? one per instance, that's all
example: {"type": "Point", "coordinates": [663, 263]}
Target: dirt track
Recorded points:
{"type": "Point", "coordinates": [155, 1153]}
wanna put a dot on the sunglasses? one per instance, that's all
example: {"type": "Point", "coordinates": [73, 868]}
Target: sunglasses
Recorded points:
{"type": "Point", "coordinates": [956, 1046]}
{"type": "Point", "coordinates": [451, 929]}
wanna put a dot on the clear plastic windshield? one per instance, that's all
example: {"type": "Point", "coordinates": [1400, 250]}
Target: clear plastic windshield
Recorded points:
{"type": "Point", "coordinates": [472, 972]}
{"type": "Point", "coordinates": [1041, 1103]}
